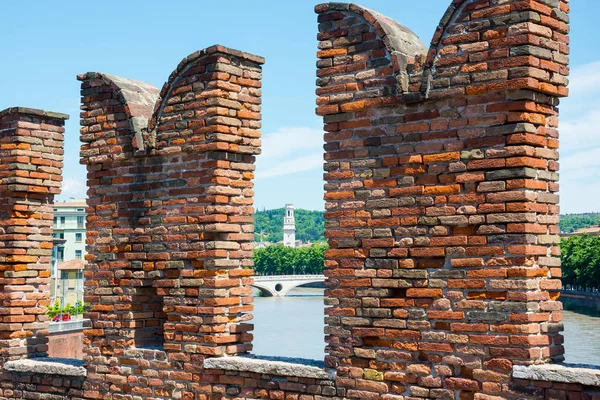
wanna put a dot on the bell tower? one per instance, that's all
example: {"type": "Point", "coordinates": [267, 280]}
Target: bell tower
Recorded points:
{"type": "Point", "coordinates": [289, 227]}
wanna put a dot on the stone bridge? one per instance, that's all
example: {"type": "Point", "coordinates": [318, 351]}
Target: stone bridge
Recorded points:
{"type": "Point", "coordinates": [280, 285]}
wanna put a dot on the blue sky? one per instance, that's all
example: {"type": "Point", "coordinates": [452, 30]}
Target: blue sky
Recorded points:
{"type": "Point", "coordinates": [46, 44]}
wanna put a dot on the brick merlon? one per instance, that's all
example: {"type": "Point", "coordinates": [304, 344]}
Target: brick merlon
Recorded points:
{"type": "Point", "coordinates": [143, 101]}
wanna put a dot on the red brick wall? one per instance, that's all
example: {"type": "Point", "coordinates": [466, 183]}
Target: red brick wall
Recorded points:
{"type": "Point", "coordinates": [31, 155]}
{"type": "Point", "coordinates": [553, 390]}
{"type": "Point", "coordinates": [41, 386]}
{"type": "Point", "coordinates": [169, 219]}
{"type": "Point", "coordinates": [441, 197]}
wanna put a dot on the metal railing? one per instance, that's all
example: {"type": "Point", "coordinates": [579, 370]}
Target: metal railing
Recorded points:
{"type": "Point", "coordinates": [287, 277]}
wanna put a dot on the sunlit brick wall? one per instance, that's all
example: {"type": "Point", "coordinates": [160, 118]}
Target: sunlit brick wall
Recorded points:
{"type": "Point", "coordinates": [31, 162]}
{"type": "Point", "coordinates": [441, 205]}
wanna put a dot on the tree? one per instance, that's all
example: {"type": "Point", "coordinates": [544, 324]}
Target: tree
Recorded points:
{"type": "Point", "coordinates": [571, 222]}
{"type": "Point", "coordinates": [281, 260]}
{"type": "Point", "coordinates": [580, 258]}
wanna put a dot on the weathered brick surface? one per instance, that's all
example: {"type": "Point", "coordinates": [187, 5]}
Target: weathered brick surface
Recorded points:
{"type": "Point", "coordinates": [442, 212]}
{"type": "Point", "coordinates": [550, 390]}
{"type": "Point", "coordinates": [219, 384]}
{"type": "Point", "coordinates": [40, 386]}
{"type": "Point", "coordinates": [441, 180]}
{"type": "Point", "coordinates": [169, 220]}
{"type": "Point", "coordinates": [31, 161]}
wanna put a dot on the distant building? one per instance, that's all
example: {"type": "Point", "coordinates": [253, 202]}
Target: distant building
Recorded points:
{"type": "Point", "coordinates": [592, 231]}
{"type": "Point", "coordinates": [289, 227]}
{"type": "Point", "coordinates": [57, 247]}
{"type": "Point", "coordinates": [68, 252]}
{"type": "Point", "coordinates": [297, 243]}
{"type": "Point", "coordinates": [69, 224]}
{"type": "Point", "coordinates": [68, 288]}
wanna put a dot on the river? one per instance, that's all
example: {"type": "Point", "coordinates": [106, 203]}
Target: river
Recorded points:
{"type": "Point", "coordinates": [582, 338]}
{"type": "Point", "coordinates": [293, 327]}
{"type": "Point", "coordinates": [290, 326]}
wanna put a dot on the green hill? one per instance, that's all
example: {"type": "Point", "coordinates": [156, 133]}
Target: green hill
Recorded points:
{"type": "Point", "coordinates": [310, 225]}
{"type": "Point", "coordinates": [572, 222]}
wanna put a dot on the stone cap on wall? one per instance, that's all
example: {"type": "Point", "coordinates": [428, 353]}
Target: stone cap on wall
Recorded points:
{"type": "Point", "coordinates": [48, 366]}
{"type": "Point", "coordinates": [588, 375]}
{"type": "Point", "coordinates": [32, 151]}
{"type": "Point", "coordinates": [403, 45]}
{"type": "Point", "coordinates": [217, 48]}
{"type": "Point", "coordinates": [279, 366]}
{"type": "Point", "coordinates": [527, 58]}
{"type": "Point", "coordinates": [209, 51]}
{"type": "Point", "coordinates": [33, 111]}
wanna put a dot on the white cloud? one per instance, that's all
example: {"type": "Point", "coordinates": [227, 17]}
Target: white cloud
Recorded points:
{"type": "Point", "coordinates": [584, 86]}
{"type": "Point", "coordinates": [580, 132]}
{"type": "Point", "coordinates": [289, 150]}
{"type": "Point", "coordinates": [73, 187]}
{"type": "Point", "coordinates": [583, 160]}
{"type": "Point", "coordinates": [298, 164]}
{"type": "Point", "coordinates": [585, 79]}
{"type": "Point", "coordinates": [580, 141]}
{"type": "Point", "coordinates": [579, 196]}
{"type": "Point", "coordinates": [580, 182]}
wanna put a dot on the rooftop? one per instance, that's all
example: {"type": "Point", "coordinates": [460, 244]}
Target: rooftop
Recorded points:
{"type": "Point", "coordinates": [592, 230]}
{"type": "Point", "coordinates": [71, 203]}
{"type": "Point", "coordinates": [72, 265]}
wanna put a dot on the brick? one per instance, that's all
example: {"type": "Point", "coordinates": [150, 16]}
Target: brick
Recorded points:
{"type": "Point", "coordinates": [25, 205]}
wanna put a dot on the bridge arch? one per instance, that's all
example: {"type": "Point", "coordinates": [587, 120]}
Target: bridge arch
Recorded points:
{"type": "Point", "coordinates": [280, 285]}
{"type": "Point", "coordinates": [265, 289]}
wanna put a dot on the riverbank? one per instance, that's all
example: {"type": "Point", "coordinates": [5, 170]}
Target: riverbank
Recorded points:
{"type": "Point", "coordinates": [581, 302]}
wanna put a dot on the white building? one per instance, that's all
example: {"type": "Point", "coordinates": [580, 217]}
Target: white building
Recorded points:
{"type": "Point", "coordinates": [289, 227]}
{"type": "Point", "coordinates": [69, 224]}
{"type": "Point", "coordinates": [67, 282]}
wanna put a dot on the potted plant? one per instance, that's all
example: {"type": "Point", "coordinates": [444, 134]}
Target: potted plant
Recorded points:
{"type": "Point", "coordinates": [78, 310]}
{"type": "Point", "coordinates": [63, 314]}
{"type": "Point", "coordinates": [54, 310]}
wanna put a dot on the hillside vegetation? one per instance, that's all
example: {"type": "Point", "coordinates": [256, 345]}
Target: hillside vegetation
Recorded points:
{"type": "Point", "coordinates": [310, 225]}
{"type": "Point", "coordinates": [572, 222]}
